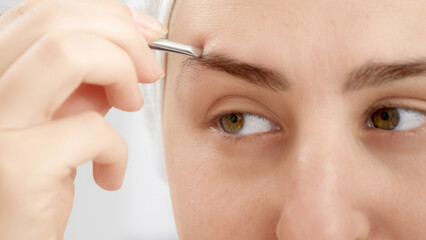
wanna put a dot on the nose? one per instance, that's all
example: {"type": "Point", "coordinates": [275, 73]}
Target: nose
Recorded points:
{"type": "Point", "coordinates": [321, 199]}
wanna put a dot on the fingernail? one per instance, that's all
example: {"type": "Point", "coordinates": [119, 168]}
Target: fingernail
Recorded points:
{"type": "Point", "coordinates": [148, 22]}
{"type": "Point", "coordinates": [156, 67]}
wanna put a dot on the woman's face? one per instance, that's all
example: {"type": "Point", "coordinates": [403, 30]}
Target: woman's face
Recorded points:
{"type": "Point", "coordinates": [304, 120]}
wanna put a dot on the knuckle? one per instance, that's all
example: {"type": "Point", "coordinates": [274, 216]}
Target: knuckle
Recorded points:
{"type": "Point", "coordinates": [25, 6]}
{"type": "Point", "coordinates": [50, 45]}
{"type": "Point", "coordinates": [43, 11]}
{"type": "Point", "coordinates": [20, 9]}
{"type": "Point", "coordinates": [54, 46]}
{"type": "Point", "coordinates": [30, 8]}
{"type": "Point", "coordinates": [121, 8]}
{"type": "Point", "coordinates": [94, 121]}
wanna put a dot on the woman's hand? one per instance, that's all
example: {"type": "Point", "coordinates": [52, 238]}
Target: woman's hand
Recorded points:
{"type": "Point", "coordinates": [63, 65]}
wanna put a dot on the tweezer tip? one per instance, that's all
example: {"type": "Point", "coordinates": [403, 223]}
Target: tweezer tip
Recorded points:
{"type": "Point", "coordinates": [197, 52]}
{"type": "Point", "coordinates": [174, 47]}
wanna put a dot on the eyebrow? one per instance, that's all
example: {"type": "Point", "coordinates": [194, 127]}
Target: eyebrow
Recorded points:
{"type": "Point", "coordinates": [253, 74]}
{"type": "Point", "coordinates": [370, 74]}
{"type": "Point", "coordinates": [374, 74]}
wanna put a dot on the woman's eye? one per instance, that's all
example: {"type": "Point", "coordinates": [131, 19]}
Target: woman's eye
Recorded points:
{"type": "Point", "coordinates": [397, 119]}
{"type": "Point", "coordinates": [246, 124]}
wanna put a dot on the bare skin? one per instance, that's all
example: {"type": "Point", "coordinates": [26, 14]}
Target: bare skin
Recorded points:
{"type": "Point", "coordinates": [304, 154]}
{"type": "Point", "coordinates": [64, 64]}
{"type": "Point", "coordinates": [324, 170]}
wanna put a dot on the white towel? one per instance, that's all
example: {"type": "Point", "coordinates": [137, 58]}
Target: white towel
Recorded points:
{"type": "Point", "coordinates": [153, 93]}
{"type": "Point", "coordinates": [161, 10]}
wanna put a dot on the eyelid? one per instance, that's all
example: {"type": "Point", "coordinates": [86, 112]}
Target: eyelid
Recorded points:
{"type": "Point", "coordinates": [215, 123]}
{"type": "Point", "coordinates": [391, 103]}
{"type": "Point", "coordinates": [238, 138]}
{"type": "Point", "coordinates": [217, 116]}
{"type": "Point", "coordinates": [239, 104]}
{"type": "Point", "coordinates": [235, 138]}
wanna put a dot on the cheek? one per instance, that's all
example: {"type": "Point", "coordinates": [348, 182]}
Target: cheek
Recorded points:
{"type": "Point", "coordinates": [399, 193]}
{"type": "Point", "coordinates": [212, 190]}
{"type": "Point", "coordinates": [404, 154]}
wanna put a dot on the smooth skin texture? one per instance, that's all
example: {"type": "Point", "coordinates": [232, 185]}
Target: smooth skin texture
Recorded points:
{"type": "Point", "coordinates": [64, 64]}
{"type": "Point", "coordinates": [327, 174]}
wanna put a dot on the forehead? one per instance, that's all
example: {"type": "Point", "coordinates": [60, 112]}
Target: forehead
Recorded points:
{"type": "Point", "coordinates": [287, 32]}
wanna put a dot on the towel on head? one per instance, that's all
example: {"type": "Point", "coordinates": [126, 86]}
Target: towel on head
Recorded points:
{"type": "Point", "coordinates": [153, 93]}
{"type": "Point", "coordinates": [161, 10]}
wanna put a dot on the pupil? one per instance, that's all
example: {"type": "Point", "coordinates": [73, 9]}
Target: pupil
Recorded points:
{"type": "Point", "coordinates": [234, 118]}
{"type": "Point", "coordinates": [385, 116]}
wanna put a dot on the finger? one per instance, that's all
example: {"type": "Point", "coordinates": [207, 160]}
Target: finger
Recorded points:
{"type": "Point", "coordinates": [150, 28]}
{"type": "Point", "coordinates": [116, 25]}
{"type": "Point", "coordinates": [86, 98]}
{"type": "Point", "coordinates": [16, 12]}
{"type": "Point", "coordinates": [73, 173]}
{"type": "Point", "coordinates": [48, 73]}
{"type": "Point", "coordinates": [62, 145]}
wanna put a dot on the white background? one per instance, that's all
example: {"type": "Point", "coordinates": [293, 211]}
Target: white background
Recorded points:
{"type": "Point", "coordinates": [141, 209]}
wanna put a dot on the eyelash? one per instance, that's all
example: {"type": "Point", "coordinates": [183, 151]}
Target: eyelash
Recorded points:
{"type": "Point", "coordinates": [214, 125]}
{"type": "Point", "coordinates": [386, 104]}
{"type": "Point", "coordinates": [213, 122]}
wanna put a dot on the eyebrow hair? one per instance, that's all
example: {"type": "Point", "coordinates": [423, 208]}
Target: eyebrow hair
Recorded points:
{"type": "Point", "coordinates": [257, 75]}
{"type": "Point", "coordinates": [374, 74]}
{"type": "Point", "coordinates": [370, 74]}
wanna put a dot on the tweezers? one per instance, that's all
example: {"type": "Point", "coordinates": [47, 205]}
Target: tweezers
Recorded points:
{"type": "Point", "coordinates": [174, 47]}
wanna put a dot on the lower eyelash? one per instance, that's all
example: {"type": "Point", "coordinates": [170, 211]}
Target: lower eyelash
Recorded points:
{"type": "Point", "coordinates": [214, 126]}
{"type": "Point", "coordinates": [226, 136]}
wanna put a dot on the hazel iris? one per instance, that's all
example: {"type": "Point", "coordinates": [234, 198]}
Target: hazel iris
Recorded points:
{"type": "Point", "coordinates": [386, 118]}
{"type": "Point", "coordinates": [232, 123]}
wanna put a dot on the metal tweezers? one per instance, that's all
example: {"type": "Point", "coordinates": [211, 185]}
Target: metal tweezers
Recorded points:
{"type": "Point", "coordinates": [174, 47]}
